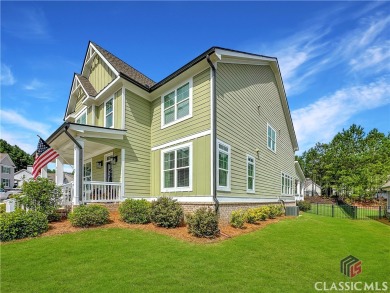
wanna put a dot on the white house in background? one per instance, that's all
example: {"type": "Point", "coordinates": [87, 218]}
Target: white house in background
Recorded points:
{"type": "Point", "coordinates": [312, 188]}
{"type": "Point", "coordinates": [386, 187]}
{"type": "Point", "coordinates": [299, 182]}
{"type": "Point", "coordinates": [23, 175]}
{"type": "Point", "coordinates": [7, 168]}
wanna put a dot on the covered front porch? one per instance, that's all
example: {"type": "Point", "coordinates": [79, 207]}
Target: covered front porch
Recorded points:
{"type": "Point", "coordinates": [97, 158]}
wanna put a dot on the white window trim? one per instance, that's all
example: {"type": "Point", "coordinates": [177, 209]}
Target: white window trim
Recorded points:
{"type": "Point", "coordinates": [175, 188]}
{"type": "Point", "coordinates": [283, 175]}
{"type": "Point", "coordinates": [254, 174]}
{"type": "Point", "coordinates": [269, 125]}
{"type": "Point", "coordinates": [6, 184]}
{"type": "Point", "coordinates": [81, 114]}
{"type": "Point", "coordinates": [189, 81]}
{"type": "Point", "coordinates": [86, 162]}
{"type": "Point", "coordinates": [5, 168]}
{"type": "Point", "coordinates": [113, 111]}
{"type": "Point", "coordinates": [228, 187]}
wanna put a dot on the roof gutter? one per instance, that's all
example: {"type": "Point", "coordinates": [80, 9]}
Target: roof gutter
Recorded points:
{"type": "Point", "coordinates": [214, 129]}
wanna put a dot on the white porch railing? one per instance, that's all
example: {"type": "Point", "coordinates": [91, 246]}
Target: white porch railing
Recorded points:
{"type": "Point", "coordinates": [94, 191]}
{"type": "Point", "coordinates": [97, 191]}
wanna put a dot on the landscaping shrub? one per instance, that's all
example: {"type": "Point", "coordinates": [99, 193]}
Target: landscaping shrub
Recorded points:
{"type": "Point", "coordinates": [21, 224]}
{"type": "Point", "coordinates": [203, 223]}
{"type": "Point", "coordinates": [304, 206]}
{"type": "Point", "coordinates": [89, 215]}
{"type": "Point", "coordinates": [166, 212]}
{"type": "Point", "coordinates": [251, 216]}
{"type": "Point", "coordinates": [238, 218]}
{"type": "Point", "coordinates": [2, 208]}
{"type": "Point", "coordinates": [135, 211]}
{"type": "Point", "coordinates": [41, 195]}
{"type": "Point", "coordinates": [275, 211]}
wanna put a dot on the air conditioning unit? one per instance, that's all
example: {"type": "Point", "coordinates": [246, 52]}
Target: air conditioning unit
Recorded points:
{"type": "Point", "coordinates": [292, 211]}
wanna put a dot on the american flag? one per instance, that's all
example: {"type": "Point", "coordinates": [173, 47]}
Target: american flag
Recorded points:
{"type": "Point", "coordinates": [45, 154]}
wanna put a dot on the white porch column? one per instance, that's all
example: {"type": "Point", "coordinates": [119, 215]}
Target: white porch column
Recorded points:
{"type": "Point", "coordinates": [44, 172]}
{"type": "Point", "coordinates": [299, 188]}
{"type": "Point", "coordinates": [59, 171]}
{"type": "Point", "coordinates": [122, 174]}
{"type": "Point", "coordinates": [77, 182]}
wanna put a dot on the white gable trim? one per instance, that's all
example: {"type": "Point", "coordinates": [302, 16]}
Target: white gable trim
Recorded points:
{"type": "Point", "coordinates": [101, 56]}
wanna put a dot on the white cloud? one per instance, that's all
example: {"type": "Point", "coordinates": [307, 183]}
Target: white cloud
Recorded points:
{"type": "Point", "coordinates": [375, 57]}
{"type": "Point", "coordinates": [33, 85]}
{"type": "Point", "coordinates": [321, 120]}
{"type": "Point", "coordinates": [14, 118]}
{"type": "Point", "coordinates": [6, 78]}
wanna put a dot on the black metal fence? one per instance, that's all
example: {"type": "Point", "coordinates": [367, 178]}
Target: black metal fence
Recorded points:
{"type": "Point", "coordinates": [348, 211]}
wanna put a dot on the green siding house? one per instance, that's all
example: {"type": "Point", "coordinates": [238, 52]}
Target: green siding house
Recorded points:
{"type": "Point", "coordinates": [217, 132]}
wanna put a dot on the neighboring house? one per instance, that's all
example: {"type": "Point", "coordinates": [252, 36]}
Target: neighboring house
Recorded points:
{"type": "Point", "coordinates": [312, 188]}
{"type": "Point", "coordinates": [299, 182]}
{"type": "Point", "coordinates": [386, 187]}
{"type": "Point", "coordinates": [7, 169]}
{"type": "Point", "coordinates": [23, 175]}
{"type": "Point", "coordinates": [216, 132]}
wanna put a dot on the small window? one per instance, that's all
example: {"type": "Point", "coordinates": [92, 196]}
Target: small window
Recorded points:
{"type": "Point", "coordinates": [177, 168]}
{"type": "Point", "coordinates": [109, 113]}
{"type": "Point", "coordinates": [223, 164]}
{"type": "Point", "coordinates": [250, 171]}
{"type": "Point", "coordinates": [176, 105]}
{"type": "Point", "coordinates": [5, 170]}
{"type": "Point", "coordinates": [5, 182]}
{"type": "Point", "coordinates": [82, 119]}
{"type": "Point", "coordinates": [287, 184]}
{"type": "Point", "coordinates": [271, 138]}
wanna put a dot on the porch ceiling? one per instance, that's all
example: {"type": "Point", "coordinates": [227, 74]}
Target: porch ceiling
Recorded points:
{"type": "Point", "coordinates": [65, 146]}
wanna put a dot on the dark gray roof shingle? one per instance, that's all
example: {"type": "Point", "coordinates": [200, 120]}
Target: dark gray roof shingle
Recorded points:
{"type": "Point", "coordinates": [87, 85]}
{"type": "Point", "coordinates": [124, 68]}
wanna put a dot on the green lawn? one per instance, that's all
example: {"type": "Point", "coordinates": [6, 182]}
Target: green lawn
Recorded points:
{"type": "Point", "coordinates": [289, 256]}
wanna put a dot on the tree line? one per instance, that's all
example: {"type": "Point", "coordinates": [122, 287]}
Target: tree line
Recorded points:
{"type": "Point", "coordinates": [20, 158]}
{"type": "Point", "coordinates": [354, 164]}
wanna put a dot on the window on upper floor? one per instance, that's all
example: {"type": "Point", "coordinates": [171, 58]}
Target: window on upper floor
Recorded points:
{"type": "Point", "coordinates": [176, 105]}
{"type": "Point", "coordinates": [271, 138]}
{"type": "Point", "coordinates": [223, 164]}
{"type": "Point", "coordinates": [5, 170]}
{"type": "Point", "coordinates": [287, 184]}
{"type": "Point", "coordinates": [82, 118]}
{"type": "Point", "coordinates": [250, 173]}
{"type": "Point", "coordinates": [109, 113]}
{"type": "Point", "coordinates": [177, 168]}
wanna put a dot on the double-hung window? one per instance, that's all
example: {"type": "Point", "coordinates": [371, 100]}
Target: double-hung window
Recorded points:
{"type": "Point", "coordinates": [177, 168]}
{"type": "Point", "coordinates": [177, 105]}
{"type": "Point", "coordinates": [250, 174]}
{"type": "Point", "coordinates": [82, 119]}
{"type": "Point", "coordinates": [5, 182]}
{"type": "Point", "coordinates": [271, 138]}
{"type": "Point", "coordinates": [223, 164]}
{"type": "Point", "coordinates": [5, 170]}
{"type": "Point", "coordinates": [109, 113]}
{"type": "Point", "coordinates": [287, 184]}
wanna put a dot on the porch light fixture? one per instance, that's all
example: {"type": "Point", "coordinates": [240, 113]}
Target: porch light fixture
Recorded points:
{"type": "Point", "coordinates": [99, 164]}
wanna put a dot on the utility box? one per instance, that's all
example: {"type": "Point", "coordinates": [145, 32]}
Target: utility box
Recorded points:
{"type": "Point", "coordinates": [292, 211]}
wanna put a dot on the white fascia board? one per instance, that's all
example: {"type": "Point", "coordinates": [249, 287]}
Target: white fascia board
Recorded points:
{"type": "Point", "coordinates": [94, 129]}
{"type": "Point", "coordinates": [299, 170]}
{"type": "Point", "coordinates": [110, 89]}
{"type": "Point", "coordinates": [136, 89]}
{"type": "Point", "coordinates": [222, 53]}
{"type": "Point", "coordinates": [104, 59]}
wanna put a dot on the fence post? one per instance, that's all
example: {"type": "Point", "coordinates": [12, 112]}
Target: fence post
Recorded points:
{"type": "Point", "coordinates": [380, 212]}
{"type": "Point", "coordinates": [317, 208]}
{"type": "Point", "coordinates": [355, 210]}
{"type": "Point", "coordinates": [332, 211]}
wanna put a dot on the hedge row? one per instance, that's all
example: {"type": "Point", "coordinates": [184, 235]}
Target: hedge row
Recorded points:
{"type": "Point", "coordinates": [254, 215]}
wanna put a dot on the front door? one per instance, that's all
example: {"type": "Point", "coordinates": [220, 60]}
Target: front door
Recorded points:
{"type": "Point", "coordinates": [108, 171]}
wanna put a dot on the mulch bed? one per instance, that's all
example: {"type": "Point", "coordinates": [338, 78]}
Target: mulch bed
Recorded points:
{"type": "Point", "coordinates": [64, 227]}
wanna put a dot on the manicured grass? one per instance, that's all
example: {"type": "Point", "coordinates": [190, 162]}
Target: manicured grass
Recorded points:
{"type": "Point", "coordinates": [289, 256]}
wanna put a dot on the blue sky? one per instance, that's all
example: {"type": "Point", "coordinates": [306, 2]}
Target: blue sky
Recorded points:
{"type": "Point", "coordinates": [334, 56]}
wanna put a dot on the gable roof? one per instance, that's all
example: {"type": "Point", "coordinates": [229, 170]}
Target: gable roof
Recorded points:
{"type": "Point", "coordinates": [5, 158]}
{"type": "Point", "coordinates": [124, 68]}
{"type": "Point", "coordinates": [87, 85]}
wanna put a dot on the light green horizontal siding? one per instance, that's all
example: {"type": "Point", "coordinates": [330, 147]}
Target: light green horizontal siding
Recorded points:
{"type": "Point", "coordinates": [201, 170]}
{"type": "Point", "coordinates": [248, 98]}
{"type": "Point", "coordinates": [200, 120]}
{"type": "Point", "coordinates": [99, 112]}
{"type": "Point", "coordinates": [100, 75]}
{"type": "Point", "coordinates": [136, 145]}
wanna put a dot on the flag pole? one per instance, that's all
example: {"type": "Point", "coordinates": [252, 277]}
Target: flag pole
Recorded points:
{"type": "Point", "coordinates": [58, 153]}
